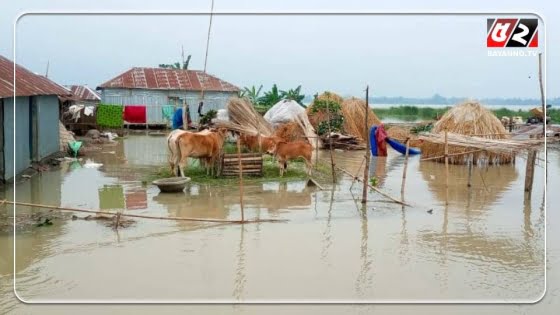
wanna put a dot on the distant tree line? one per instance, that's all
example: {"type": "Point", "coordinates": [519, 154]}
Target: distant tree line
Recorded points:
{"type": "Point", "coordinates": [441, 100]}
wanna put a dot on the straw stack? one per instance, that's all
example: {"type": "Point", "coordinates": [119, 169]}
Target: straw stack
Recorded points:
{"type": "Point", "coordinates": [244, 118]}
{"type": "Point", "coordinates": [354, 112]}
{"type": "Point", "coordinates": [319, 116]}
{"type": "Point", "coordinates": [471, 119]}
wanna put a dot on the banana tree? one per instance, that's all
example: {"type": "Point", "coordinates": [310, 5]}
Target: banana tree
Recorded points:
{"type": "Point", "coordinates": [271, 97]}
{"type": "Point", "coordinates": [293, 94]}
{"type": "Point", "coordinates": [253, 94]}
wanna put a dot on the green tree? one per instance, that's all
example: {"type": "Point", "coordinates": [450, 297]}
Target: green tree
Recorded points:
{"type": "Point", "coordinates": [253, 94]}
{"type": "Point", "coordinates": [293, 94]}
{"type": "Point", "coordinates": [271, 97]}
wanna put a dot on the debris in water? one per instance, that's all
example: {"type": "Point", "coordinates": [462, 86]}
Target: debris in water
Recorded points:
{"type": "Point", "coordinates": [47, 222]}
{"type": "Point", "coordinates": [91, 164]}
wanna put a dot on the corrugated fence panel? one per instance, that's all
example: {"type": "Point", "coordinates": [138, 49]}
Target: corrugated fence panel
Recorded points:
{"type": "Point", "coordinates": [47, 109]}
{"type": "Point", "coordinates": [155, 99]}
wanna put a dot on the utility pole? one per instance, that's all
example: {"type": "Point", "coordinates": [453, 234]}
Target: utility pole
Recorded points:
{"type": "Point", "coordinates": [47, 72]}
{"type": "Point", "coordinates": [182, 57]}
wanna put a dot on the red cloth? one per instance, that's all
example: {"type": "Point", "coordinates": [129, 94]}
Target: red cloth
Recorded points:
{"type": "Point", "coordinates": [380, 136]}
{"type": "Point", "coordinates": [135, 114]}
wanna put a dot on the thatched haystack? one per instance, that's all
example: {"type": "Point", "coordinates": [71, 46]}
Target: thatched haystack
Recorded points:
{"type": "Point", "coordinates": [318, 115]}
{"type": "Point", "coordinates": [330, 96]}
{"type": "Point", "coordinates": [354, 112]}
{"type": "Point", "coordinates": [317, 112]}
{"type": "Point", "coordinates": [468, 118]}
{"type": "Point", "coordinates": [244, 118]}
{"type": "Point", "coordinates": [291, 131]}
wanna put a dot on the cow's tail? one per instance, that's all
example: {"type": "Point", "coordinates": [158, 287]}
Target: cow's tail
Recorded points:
{"type": "Point", "coordinates": [178, 156]}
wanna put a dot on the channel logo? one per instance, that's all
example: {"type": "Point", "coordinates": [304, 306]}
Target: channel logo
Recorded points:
{"type": "Point", "coordinates": [512, 33]}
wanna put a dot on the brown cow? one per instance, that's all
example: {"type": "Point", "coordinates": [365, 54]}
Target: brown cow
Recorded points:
{"type": "Point", "coordinates": [202, 145]}
{"type": "Point", "coordinates": [172, 147]}
{"type": "Point", "coordinates": [257, 143]}
{"type": "Point", "coordinates": [285, 151]}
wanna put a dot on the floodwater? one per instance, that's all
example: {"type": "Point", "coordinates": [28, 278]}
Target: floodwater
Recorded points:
{"type": "Point", "coordinates": [486, 245]}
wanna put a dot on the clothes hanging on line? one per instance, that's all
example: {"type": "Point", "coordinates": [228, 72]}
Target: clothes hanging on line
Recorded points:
{"type": "Point", "coordinates": [110, 116]}
{"type": "Point", "coordinates": [167, 112]}
{"type": "Point", "coordinates": [135, 114]}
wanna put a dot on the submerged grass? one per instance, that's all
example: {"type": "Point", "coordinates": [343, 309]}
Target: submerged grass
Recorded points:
{"type": "Point", "coordinates": [271, 172]}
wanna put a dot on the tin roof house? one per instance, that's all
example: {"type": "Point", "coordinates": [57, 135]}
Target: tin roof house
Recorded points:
{"type": "Point", "coordinates": [81, 94]}
{"type": "Point", "coordinates": [156, 88]}
{"type": "Point", "coordinates": [36, 118]}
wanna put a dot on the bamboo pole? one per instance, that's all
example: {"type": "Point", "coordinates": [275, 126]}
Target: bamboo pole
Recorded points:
{"type": "Point", "coordinates": [542, 95]}
{"type": "Point", "coordinates": [26, 204]}
{"type": "Point", "coordinates": [316, 153]}
{"type": "Point", "coordinates": [375, 188]}
{"type": "Point", "coordinates": [530, 171]}
{"type": "Point", "coordinates": [446, 170]}
{"type": "Point", "coordinates": [452, 154]}
{"type": "Point", "coordinates": [469, 181]}
{"type": "Point", "coordinates": [366, 168]}
{"type": "Point", "coordinates": [240, 180]}
{"type": "Point", "coordinates": [330, 144]}
{"type": "Point", "coordinates": [405, 167]}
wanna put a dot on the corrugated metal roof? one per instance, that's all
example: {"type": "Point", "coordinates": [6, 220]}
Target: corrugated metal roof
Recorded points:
{"type": "Point", "coordinates": [27, 83]}
{"type": "Point", "coordinates": [83, 93]}
{"type": "Point", "coordinates": [169, 79]}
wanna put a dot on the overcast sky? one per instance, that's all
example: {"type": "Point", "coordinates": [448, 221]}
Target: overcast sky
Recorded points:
{"type": "Point", "coordinates": [414, 56]}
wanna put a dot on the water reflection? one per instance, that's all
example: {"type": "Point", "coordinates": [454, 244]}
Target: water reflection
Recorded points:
{"type": "Point", "coordinates": [488, 184]}
{"type": "Point", "coordinates": [240, 276]}
{"type": "Point", "coordinates": [365, 277]}
{"type": "Point", "coordinates": [205, 201]}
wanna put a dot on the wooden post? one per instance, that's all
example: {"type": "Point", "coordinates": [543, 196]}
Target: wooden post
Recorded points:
{"type": "Point", "coordinates": [366, 168]}
{"type": "Point", "coordinates": [542, 95]}
{"type": "Point", "coordinates": [469, 182]}
{"type": "Point", "coordinates": [240, 180]}
{"type": "Point", "coordinates": [330, 143]}
{"type": "Point", "coordinates": [185, 117]}
{"type": "Point", "coordinates": [317, 152]}
{"type": "Point", "coordinates": [530, 171]}
{"type": "Point", "coordinates": [446, 170]}
{"type": "Point", "coordinates": [405, 167]}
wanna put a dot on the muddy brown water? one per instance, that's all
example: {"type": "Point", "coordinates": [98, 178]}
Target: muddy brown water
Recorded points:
{"type": "Point", "coordinates": [486, 245]}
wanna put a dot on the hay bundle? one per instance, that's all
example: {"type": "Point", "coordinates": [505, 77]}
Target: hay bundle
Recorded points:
{"type": "Point", "coordinates": [330, 96]}
{"type": "Point", "coordinates": [244, 118]}
{"type": "Point", "coordinates": [468, 118]}
{"type": "Point", "coordinates": [289, 131]}
{"type": "Point", "coordinates": [354, 112]}
{"type": "Point", "coordinates": [319, 117]}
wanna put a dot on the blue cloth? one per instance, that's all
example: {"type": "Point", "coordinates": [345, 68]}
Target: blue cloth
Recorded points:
{"type": "Point", "coordinates": [178, 118]}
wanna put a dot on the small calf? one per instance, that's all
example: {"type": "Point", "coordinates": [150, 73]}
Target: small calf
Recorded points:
{"type": "Point", "coordinates": [258, 143]}
{"type": "Point", "coordinates": [285, 151]}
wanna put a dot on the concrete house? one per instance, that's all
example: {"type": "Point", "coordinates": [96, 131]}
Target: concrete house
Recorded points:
{"type": "Point", "coordinates": [156, 87]}
{"type": "Point", "coordinates": [36, 118]}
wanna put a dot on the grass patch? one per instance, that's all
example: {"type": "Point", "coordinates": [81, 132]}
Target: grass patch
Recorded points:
{"type": "Point", "coordinates": [271, 172]}
{"type": "Point", "coordinates": [411, 113]}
